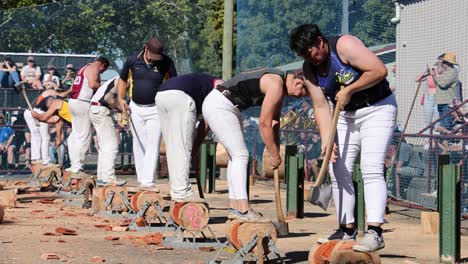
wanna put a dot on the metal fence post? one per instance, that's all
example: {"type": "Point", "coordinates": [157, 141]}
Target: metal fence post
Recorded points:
{"type": "Point", "coordinates": [203, 165]}
{"type": "Point", "coordinates": [212, 167]}
{"type": "Point", "coordinates": [359, 209]}
{"type": "Point", "coordinates": [449, 210]}
{"type": "Point", "coordinates": [295, 186]}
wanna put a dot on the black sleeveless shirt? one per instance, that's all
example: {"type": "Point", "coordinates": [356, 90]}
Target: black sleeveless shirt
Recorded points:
{"type": "Point", "coordinates": [245, 87]}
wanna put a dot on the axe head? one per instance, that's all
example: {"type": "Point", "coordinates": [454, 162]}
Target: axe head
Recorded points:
{"type": "Point", "coordinates": [19, 87]}
{"type": "Point", "coordinates": [320, 196]}
{"type": "Point", "coordinates": [282, 229]}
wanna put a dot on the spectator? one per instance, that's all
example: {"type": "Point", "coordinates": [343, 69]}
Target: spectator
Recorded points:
{"type": "Point", "coordinates": [7, 135]}
{"type": "Point", "coordinates": [9, 71]}
{"type": "Point", "coordinates": [69, 78]}
{"type": "Point", "coordinates": [409, 165]}
{"type": "Point", "coordinates": [22, 141]}
{"type": "Point", "coordinates": [51, 80]}
{"type": "Point", "coordinates": [313, 154]}
{"type": "Point", "coordinates": [31, 74]}
{"type": "Point", "coordinates": [446, 79]}
{"type": "Point", "coordinates": [428, 100]}
{"type": "Point", "coordinates": [57, 154]}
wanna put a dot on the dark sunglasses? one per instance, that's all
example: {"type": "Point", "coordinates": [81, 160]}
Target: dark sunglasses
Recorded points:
{"type": "Point", "coordinates": [30, 61]}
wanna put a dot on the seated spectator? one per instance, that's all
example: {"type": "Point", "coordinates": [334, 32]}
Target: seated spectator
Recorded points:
{"type": "Point", "coordinates": [409, 165]}
{"type": "Point", "coordinates": [69, 78]}
{"type": "Point", "coordinates": [9, 72]}
{"type": "Point", "coordinates": [22, 141]}
{"type": "Point", "coordinates": [7, 134]}
{"type": "Point", "coordinates": [31, 74]}
{"type": "Point", "coordinates": [50, 78]}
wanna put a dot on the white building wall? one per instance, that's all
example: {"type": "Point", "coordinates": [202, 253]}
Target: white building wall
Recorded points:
{"type": "Point", "coordinates": [427, 29]}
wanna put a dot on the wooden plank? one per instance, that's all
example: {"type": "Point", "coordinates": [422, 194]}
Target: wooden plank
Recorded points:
{"type": "Point", "coordinates": [8, 198]}
{"type": "Point", "coordinates": [430, 222]}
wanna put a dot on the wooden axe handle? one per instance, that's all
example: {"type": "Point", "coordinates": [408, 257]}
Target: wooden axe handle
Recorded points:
{"type": "Point", "coordinates": [26, 99]}
{"type": "Point", "coordinates": [279, 209]}
{"type": "Point", "coordinates": [328, 152]}
{"type": "Point", "coordinates": [29, 104]}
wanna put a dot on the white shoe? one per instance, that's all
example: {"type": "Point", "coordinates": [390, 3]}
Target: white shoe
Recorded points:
{"type": "Point", "coordinates": [149, 187]}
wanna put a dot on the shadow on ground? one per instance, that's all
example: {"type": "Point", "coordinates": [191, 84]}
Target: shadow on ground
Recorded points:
{"type": "Point", "coordinates": [297, 257]}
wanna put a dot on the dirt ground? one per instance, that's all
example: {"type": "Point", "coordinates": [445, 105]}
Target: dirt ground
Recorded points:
{"type": "Point", "coordinates": [24, 238]}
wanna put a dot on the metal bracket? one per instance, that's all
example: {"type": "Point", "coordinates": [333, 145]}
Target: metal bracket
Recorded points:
{"type": "Point", "coordinates": [245, 254]}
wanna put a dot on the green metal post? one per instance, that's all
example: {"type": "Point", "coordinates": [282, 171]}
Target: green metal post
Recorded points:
{"type": "Point", "coordinates": [212, 167]}
{"type": "Point", "coordinates": [449, 214]}
{"type": "Point", "coordinates": [290, 150]}
{"type": "Point", "coordinates": [291, 186]}
{"type": "Point", "coordinates": [295, 186]}
{"type": "Point", "coordinates": [203, 165]}
{"type": "Point", "coordinates": [359, 209]}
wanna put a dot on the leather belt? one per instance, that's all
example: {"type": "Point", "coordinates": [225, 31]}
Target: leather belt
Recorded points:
{"type": "Point", "coordinates": [226, 93]}
{"type": "Point", "coordinates": [367, 101]}
{"type": "Point", "coordinates": [145, 105]}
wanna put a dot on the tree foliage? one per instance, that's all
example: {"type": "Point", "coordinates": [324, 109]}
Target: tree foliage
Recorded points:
{"type": "Point", "coordinates": [191, 29]}
{"type": "Point", "coordinates": [263, 26]}
{"type": "Point", "coordinates": [115, 28]}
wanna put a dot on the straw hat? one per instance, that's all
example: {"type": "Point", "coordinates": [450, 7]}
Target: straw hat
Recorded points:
{"type": "Point", "coordinates": [450, 57]}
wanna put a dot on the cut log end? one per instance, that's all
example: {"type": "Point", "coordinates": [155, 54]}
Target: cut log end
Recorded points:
{"type": "Point", "coordinates": [240, 233]}
{"type": "Point", "coordinates": [339, 251]}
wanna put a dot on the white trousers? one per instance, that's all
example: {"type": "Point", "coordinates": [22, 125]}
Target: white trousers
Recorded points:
{"type": "Point", "coordinates": [80, 137]}
{"type": "Point", "coordinates": [103, 123]}
{"type": "Point", "coordinates": [368, 130]}
{"type": "Point", "coordinates": [39, 137]}
{"type": "Point", "coordinates": [146, 133]}
{"type": "Point", "coordinates": [178, 114]}
{"type": "Point", "coordinates": [225, 122]}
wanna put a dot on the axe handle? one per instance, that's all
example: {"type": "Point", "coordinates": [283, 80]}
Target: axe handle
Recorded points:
{"type": "Point", "coordinates": [279, 209]}
{"type": "Point", "coordinates": [328, 152]}
{"type": "Point", "coordinates": [27, 99]}
{"type": "Point", "coordinates": [29, 104]}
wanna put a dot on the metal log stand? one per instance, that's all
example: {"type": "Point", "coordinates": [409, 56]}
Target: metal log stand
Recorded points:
{"type": "Point", "coordinates": [77, 190]}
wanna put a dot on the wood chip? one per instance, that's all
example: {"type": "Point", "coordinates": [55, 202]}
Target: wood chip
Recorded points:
{"type": "Point", "coordinates": [110, 238]}
{"type": "Point", "coordinates": [97, 259]}
{"type": "Point", "coordinates": [65, 231]}
{"type": "Point", "coordinates": [47, 256]}
{"type": "Point", "coordinates": [120, 228]}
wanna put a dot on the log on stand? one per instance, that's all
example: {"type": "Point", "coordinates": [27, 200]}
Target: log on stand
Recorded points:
{"type": "Point", "coordinates": [239, 233]}
{"type": "Point", "coordinates": [117, 203]}
{"type": "Point", "coordinates": [339, 251]}
{"type": "Point", "coordinates": [140, 199]}
{"type": "Point", "coordinates": [192, 216]}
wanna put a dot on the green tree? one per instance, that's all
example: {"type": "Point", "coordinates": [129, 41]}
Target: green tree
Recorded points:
{"type": "Point", "coordinates": [114, 28]}
{"type": "Point", "coordinates": [9, 4]}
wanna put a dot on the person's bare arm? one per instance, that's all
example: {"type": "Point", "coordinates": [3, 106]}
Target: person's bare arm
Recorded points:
{"type": "Point", "coordinates": [122, 92]}
{"type": "Point", "coordinates": [322, 113]}
{"type": "Point", "coordinates": [353, 52]}
{"type": "Point", "coordinates": [93, 76]}
{"type": "Point", "coordinates": [59, 133]}
{"type": "Point", "coordinates": [272, 86]}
